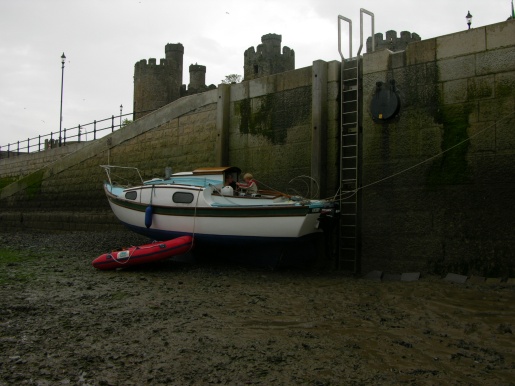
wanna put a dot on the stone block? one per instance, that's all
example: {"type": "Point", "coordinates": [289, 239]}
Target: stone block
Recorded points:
{"type": "Point", "coordinates": [457, 68]}
{"type": "Point", "coordinates": [455, 91]}
{"type": "Point", "coordinates": [421, 52]}
{"type": "Point", "coordinates": [482, 136]}
{"type": "Point", "coordinates": [455, 278]}
{"type": "Point", "coordinates": [333, 71]}
{"type": "Point", "coordinates": [377, 61]}
{"type": "Point", "coordinates": [295, 79]}
{"type": "Point", "coordinates": [477, 279]}
{"type": "Point", "coordinates": [391, 277]}
{"type": "Point", "coordinates": [410, 276]}
{"type": "Point", "coordinates": [495, 61]}
{"type": "Point", "coordinates": [374, 275]}
{"type": "Point", "coordinates": [480, 87]}
{"type": "Point", "coordinates": [461, 43]}
{"type": "Point", "coordinates": [500, 35]}
{"type": "Point", "coordinates": [505, 84]}
{"type": "Point", "coordinates": [398, 59]}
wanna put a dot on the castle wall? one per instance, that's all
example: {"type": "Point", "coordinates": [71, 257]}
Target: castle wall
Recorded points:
{"type": "Point", "coordinates": [447, 213]}
{"type": "Point", "coordinates": [156, 85]}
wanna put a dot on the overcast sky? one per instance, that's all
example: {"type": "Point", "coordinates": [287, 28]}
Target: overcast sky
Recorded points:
{"type": "Point", "coordinates": [103, 39]}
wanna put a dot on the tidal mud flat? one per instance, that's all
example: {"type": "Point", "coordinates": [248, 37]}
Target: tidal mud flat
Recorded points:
{"type": "Point", "coordinates": [211, 322]}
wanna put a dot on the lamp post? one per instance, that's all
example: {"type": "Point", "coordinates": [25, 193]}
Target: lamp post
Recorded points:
{"type": "Point", "coordinates": [63, 59]}
{"type": "Point", "coordinates": [121, 108]}
{"type": "Point", "coordinates": [469, 18]}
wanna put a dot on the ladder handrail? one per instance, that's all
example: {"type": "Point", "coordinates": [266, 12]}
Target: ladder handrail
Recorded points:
{"type": "Point", "coordinates": [340, 18]}
{"type": "Point", "coordinates": [361, 12]}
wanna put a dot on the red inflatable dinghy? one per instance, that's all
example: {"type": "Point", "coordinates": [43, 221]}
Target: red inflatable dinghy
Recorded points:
{"type": "Point", "coordinates": [144, 253]}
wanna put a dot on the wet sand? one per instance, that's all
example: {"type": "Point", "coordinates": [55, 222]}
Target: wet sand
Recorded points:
{"type": "Point", "coordinates": [199, 323]}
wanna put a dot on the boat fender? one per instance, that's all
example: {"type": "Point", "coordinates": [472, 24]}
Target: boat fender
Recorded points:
{"type": "Point", "coordinates": [148, 216]}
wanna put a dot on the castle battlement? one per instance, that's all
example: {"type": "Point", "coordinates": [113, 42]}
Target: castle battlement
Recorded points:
{"type": "Point", "coordinates": [267, 59]}
{"type": "Point", "coordinates": [392, 42]}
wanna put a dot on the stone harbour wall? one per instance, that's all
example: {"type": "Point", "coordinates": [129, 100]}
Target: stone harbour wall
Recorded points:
{"type": "Point", "coordinates": [457, 124]}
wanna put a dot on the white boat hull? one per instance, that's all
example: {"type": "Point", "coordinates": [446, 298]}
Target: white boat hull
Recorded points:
{"type": "Point", "coordinates": [256, 222]}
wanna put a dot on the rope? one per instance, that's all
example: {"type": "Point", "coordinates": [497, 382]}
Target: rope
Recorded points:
{"type": "Point", "coordinates": [355, 191]}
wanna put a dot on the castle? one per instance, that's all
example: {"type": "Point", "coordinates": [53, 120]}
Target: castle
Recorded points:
{"type": "Point", "coordinates": [392, 42]}
{"type": "Point", "coordinates": [156, 85]}
{"type": "Point", "coordinates": [267, 59]}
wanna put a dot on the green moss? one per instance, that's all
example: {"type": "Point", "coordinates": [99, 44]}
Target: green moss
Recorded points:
{"type": "Point", "coordinates": [478, 90]}
{"type": "Point", "coordinates": [7, 181]}
{"type": "Point", "coordinates": [504, 90]}
{"type": "Point", "coordinates": [272, 115]}
{"type": "Point", "coordinates": [33, 183]}
{"type": "Point", "coordinates": [13, 267]}
{"type": "Point", "coordinates": [452, 167]}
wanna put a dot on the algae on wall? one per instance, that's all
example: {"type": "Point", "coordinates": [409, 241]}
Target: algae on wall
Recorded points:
{"type": "Point", "coordinates": [272, 115]}
{"type": "Point", "coordinates": [452, 166]}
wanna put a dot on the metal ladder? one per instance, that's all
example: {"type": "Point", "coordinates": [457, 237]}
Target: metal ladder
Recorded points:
{"type": "Point", "coordinates": [349, 246]}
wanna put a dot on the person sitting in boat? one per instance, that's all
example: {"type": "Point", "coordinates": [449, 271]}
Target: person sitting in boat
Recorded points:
{"type": "Point", "coordinates": [249, 185]}
{"type": "Point", "coordinates": [229, 181]}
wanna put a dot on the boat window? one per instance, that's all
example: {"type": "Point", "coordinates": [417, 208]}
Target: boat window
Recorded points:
{"type": "Point", "coordinates": [182, 197]}
{"type": "Point", "coordinates": [131, 195]}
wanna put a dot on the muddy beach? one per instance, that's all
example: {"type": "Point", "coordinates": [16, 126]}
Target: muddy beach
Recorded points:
{"type": "Point", "coordinates": [199, 322]}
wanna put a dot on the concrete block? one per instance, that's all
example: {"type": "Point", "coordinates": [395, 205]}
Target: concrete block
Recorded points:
{"type": "Point", "coordinates": [374, 275]}
{"type": "Point", "coordinates": [455, 278]}
{"type": "Point", "coordinates": [398, 59]}
{"type": "Point", "coordinates": [295, 79]}
{"type": "Point", "coordinates": [258, 87]}
{"type": "Point", "coordinates": [410, 276]}
{"type": "Point", "coordinates": [500, 35]}
{"type": "Point", "coordinates": [391, 277]}
{"type": "Point", "coordinates": [333, 71]}
{"type": "Point", "coordinates": [461, 43]}
{"type": "Point", "coordinates": [376, 62]}
{"type": "Point", "coordinates": [421, 52]}
{"type": "Point", "coordinates": [477, 279]}
{"type": "Point", "coordinates": [493, 280]}
{"type": "Point", "coordinates": [239, 91]}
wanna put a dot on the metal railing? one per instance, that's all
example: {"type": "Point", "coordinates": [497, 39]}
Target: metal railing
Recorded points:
{"type": "Point", "coordinates": [80, 133]}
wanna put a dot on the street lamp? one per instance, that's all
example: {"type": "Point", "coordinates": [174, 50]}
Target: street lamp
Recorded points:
{"type": "Point", "coordinates": [121, 108]}
{"type": "Point", "coordinates": [469, 18]}
{"type": "Point", "coordinates": [63, 59]}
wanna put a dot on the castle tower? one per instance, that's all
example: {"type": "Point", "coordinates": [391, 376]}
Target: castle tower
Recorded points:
{"type": "Point", "coordinates": [197, 78]}
{"type": "Point", "coordinates": [267, 58]}
{"type": "Point", "coordinates": [174, 56]}
{"type": "Point", "coordinates": [156, 85]}
{"type": "Point", "coordinates": [392, 42]}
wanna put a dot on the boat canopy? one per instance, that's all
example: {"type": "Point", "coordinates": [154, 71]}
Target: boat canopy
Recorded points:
{"type": "Point", "coordinates": [217, 170]}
